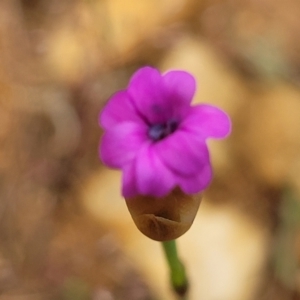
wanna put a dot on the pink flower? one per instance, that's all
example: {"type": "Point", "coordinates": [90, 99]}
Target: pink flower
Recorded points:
{"type": "Point", "coordinates": [154, 135]}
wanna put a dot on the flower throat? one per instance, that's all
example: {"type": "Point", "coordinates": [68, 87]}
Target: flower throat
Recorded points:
{"type": "Point", "coordinates": [159, 131]}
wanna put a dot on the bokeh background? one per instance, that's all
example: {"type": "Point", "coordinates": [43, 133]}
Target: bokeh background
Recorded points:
{"type": "Point", "coordinates": [65, 232]}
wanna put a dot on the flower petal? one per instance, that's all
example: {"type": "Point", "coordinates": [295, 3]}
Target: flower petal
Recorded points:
{"type": "Point", "coordinates": [121, 143]}
{"type": "Point", "coordinates": [129, 183]}
{"type": "Point", "coordinates": [153, 178]}
{"type": "Point", "coordinates": [180, 86]}
{"type": "Point", "coordinates": [195, 184]}
{"type": "Point", "coordinates": [118, 109]}
{"type": "Point", "coordinates": [207, 121]}
{"type": "Point", "coordinates": [183, 152]}
{"type": "Point", "coordinates": [147, 91]}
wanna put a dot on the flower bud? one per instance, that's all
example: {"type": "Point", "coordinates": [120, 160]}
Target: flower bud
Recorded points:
{"type": "Point", "coordinates": [164, 219]}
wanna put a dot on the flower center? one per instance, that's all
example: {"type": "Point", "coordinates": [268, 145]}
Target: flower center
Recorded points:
{"type": "Point", "coordinates": [159, 131]}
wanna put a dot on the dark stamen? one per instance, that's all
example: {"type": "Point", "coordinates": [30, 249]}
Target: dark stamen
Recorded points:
{"type": "Point", "coordinates": [159, 131]}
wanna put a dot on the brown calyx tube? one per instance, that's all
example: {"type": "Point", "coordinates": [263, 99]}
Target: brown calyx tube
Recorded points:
{"type": "Point", "coordinates": [164, 219]}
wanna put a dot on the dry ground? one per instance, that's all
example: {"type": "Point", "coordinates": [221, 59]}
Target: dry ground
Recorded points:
{"type": "Point", "coordinates": [65, 232]}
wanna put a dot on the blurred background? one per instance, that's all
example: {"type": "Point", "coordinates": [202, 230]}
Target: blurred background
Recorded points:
{"type": "Point", "coordinates": [65, 232]}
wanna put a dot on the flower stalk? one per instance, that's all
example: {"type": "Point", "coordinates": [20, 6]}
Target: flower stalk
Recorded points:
{"type": "Point", "coordinates": [178, 276]}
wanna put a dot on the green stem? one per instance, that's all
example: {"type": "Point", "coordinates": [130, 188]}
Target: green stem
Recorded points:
{"type": "Point", "coordinates": [178, 277]}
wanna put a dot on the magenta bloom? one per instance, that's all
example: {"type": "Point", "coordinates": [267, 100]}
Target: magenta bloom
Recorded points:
{"type": "Point", "coordinates": [154, 135]}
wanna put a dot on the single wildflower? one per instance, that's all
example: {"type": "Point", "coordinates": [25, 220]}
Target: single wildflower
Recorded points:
{"type": "Point", "coordinates": [158, 140]}
{"type": "Point", "coordinates": [154, 135]}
